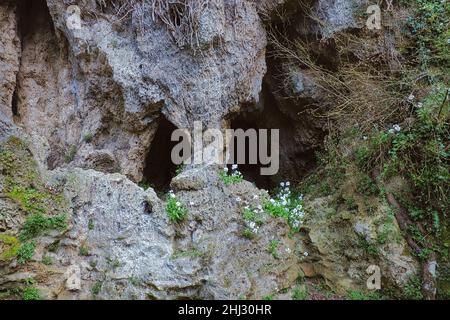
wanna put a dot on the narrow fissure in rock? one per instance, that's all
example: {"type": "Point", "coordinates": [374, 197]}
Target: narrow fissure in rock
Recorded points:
{"type": "Point", "coordinates": [159, 168]}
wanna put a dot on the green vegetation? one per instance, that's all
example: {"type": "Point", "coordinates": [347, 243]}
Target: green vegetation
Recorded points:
{"type": "Point", "coordinates": [88, 137]}
{"type": "Point", "coordinates": [31, 293]}
{"type": "Point", "coordinates": [179, 169]}
{"type": "Point", "coordinates": [83, 251]}
{"type": "Point", "coordinates": [12, 245]}
{"type": "Point", "coordinates": [230, 178]}
{"type": "Point", "coordinates": [429, 28]}
{"type": "Point", "coordinates": [22, 185]}
{"type": "Point", "coordinates": [269, 297]}
{"type": "Point", "coordinates": [144, 185]}
{"type": "Point", "coordinates": [288, 205]}
{"type": "Point", "coordinates": [70, 154]}
{"type": "Point", "coordinates": [367, 186]}
{"type": "Point", "coordinates": [175, 209]}
{"type": "Point", "coordinates": [47, 260]}
{"type": "Point", "coordinates": [413, 289]}
{"type": "Point", "coordinates": [369, 247]}
{"type": "Point", "coordinates": [248, 233]}
{"type": "Point", "coordinates": [113, 263]}
{"type": "Point", "coordinates": [96, 288]}
{"type": "Point", "coordinates": [26, 252]}
{"type": "Point", "coordinates": [273, 248]}
{"type": "Point", "coordinates": [29, 198]}
{"type": "Point", "coordinates": [299, 294]}
{"type": "Point", "coordinates": [91, 224]}
{"type": "Point", "coordinates": [37, 224]}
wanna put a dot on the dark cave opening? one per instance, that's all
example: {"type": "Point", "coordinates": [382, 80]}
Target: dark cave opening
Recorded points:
{"type": "Point", "coordinates": [15, 102]}
{"type": "Point", "coordinates": [252, 118]}
{"type": "Point", "coordinates": [159, 168]}
{"type": "Point", "coordinates": [299, 141]}
{"type": "Point", "coordinates": [32, 15]}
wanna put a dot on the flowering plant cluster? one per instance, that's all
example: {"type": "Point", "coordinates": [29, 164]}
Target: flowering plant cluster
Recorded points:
{"type": "Point", "coordinates": [287, 205]}
{"type": "Point", "coordinates": [175, 209]}
{"type": "Point", "coordinates": [253, 218]}
{"type": "Point", "coordinates": [235, 176]}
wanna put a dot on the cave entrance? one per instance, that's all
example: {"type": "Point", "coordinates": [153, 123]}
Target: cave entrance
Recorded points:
{"type": "Point", "coordinates": [251, 119]}
{"type": "Point", "coordinates": [159, 168]}
{"type": "Point", "coordinates": [298, 141]}
{"type": "Point", "coordinates": [31, 16]}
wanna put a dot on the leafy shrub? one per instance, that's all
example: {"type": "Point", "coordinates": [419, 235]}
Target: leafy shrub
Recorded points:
{"type": "Point", "coordinates": [96, 288]}
{"type": "Point", "coordinates": [429, 28]}
{"type": "Point", "coordinates": [88, 137]}
{"type": "Point", "coordinates": [366, 186]}
{"type": "Point", "coordinates": [26, 252]}
{"type": "Point", "coordinates": [421, 155]}
{"type": "Point", "coordinates": [273, 248]}
{"type": "Point", "coordinates": [37, 224]}
{"type": "Point", "coordinates": [299, 294]}
{"type": "Point", "coordinates": [70, 154]}
{"type": "Point", "coordinates": [30, 199]}
{"type": "Point", "coordinates": [83, 251]}
{"type": "Point", "coordinates": [413, 289]}
{"type": "Point", "coordinates": [287, 205]}
{"type": "Point", "coordinates": [31, 293]}
{"type": "Point", "coordinates": [230, 178]}
{"type": "Point", "coordinates": [175, 209]}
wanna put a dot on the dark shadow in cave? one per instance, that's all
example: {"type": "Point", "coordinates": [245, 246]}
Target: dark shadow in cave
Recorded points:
{"type": "Point", "coordinates": [31, 16]}
{"type": "Point", "coordinates": [159, 168]}
{"type": "Point", "coordinates": [251, 172]}
{"type": "Point", "coordinates": [297, 158]}
{"type": "Point", "coordinates": [15, 102]}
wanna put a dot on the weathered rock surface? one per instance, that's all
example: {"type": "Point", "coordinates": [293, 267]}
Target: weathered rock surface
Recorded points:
{"type": "Point", "coordinates": [112, 80]}
{"type": "Point", "coordinates": [89, 102]}
{"type": "Point", "coordinates": [345, 243]}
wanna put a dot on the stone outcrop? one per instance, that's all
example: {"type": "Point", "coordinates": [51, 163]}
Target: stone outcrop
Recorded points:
{"type": "Point", "coordinates": [81, 108]}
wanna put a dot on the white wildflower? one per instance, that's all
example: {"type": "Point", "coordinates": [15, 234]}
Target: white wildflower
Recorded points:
{"type": "Point", "coordinates": [234, 166]}
{"type": "Point", "coordinates": [178, 204]}
{"type": "Point", "coordinates": [225, 169]}
{"type": "Point", "coordinates": [305, 254]}
{"type": "Point", "coordinates": [411, 97]}
{"type": "Point", "coordinates": [238, 199]}
{"type": "Point", "coordinates": [396, 127]}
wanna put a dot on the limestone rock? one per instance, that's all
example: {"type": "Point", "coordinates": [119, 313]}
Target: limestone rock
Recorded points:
{"type": "Point", "coordinates": [194, 179]}
{"type": "Point", "coordinates": [73, 274]}
{"type": "Point", "coordinates": [347, 245]}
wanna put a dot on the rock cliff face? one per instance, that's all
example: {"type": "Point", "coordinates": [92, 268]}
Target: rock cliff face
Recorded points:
{"type": "Point", "coordinates": [93, 107]}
